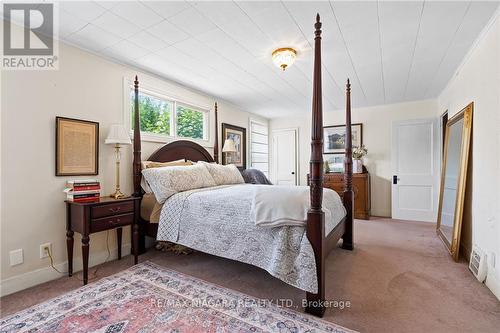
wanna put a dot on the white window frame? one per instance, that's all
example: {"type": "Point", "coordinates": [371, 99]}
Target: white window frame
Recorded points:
{"type": "Point", "coordinates": [148, 89]}
{"type": "Point", "coordinates": [257, 122]}
{"type": "Point", "coordinates": [206, 121]}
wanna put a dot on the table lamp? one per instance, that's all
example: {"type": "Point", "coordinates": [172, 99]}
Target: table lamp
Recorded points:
{"type": "Point", "coordinates": [118, 136]}
{"type": "Point", "coordinates": [229, 147]}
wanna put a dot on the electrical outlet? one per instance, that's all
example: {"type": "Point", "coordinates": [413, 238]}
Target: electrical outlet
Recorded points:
{"type": "Point", "coordinates": [44, 250]}
{"type": "Point", "coordinates": [16, 257]}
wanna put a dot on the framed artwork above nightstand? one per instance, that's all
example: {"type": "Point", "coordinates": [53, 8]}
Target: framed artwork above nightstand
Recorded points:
{"type": "Point", "coordinates": [77, 147]}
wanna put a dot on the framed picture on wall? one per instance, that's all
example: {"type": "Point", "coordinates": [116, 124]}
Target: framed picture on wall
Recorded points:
{"type": "Point", "coordinates": [77, 147]}
{"type": "Point", "coordinates": [335, 162]}
{"type": "Point", "coordinates": [239, 136]}
{"type": "Point", "coordinates": [334, 138]}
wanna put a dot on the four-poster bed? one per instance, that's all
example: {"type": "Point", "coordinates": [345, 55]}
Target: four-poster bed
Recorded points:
{"type": "Point", "coordinates": [320, 242]}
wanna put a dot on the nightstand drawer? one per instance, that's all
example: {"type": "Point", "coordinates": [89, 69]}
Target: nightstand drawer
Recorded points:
{"type": "Point", "coordinates": [110, 222]}
{"type": "Point", "coordinates": [112, 209]}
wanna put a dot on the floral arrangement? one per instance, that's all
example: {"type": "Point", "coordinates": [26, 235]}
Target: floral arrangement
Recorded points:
{"type": "Point", "coordinates": [359, 152]}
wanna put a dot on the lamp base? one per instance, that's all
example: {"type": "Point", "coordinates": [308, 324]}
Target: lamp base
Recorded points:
{"type": "Point", "coordinates": [118, 195]}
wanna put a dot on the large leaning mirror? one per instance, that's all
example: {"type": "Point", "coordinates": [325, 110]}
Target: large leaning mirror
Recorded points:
{"type": "Point", "coordinates": [454, 179]}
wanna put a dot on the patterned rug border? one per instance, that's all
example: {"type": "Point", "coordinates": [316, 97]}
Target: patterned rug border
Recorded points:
{"type": "Point", "coordinates": [149, 264]}
{"type": "Point", "coordinates": [236, 292]}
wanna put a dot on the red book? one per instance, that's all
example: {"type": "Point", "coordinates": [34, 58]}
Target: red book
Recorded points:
{"type": "Point", "coordinates": [86, 188]}
{"type": "Point", "coordinates": [89, 199]}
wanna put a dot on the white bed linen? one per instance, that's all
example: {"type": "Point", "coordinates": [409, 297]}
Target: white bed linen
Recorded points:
{"type": "Point", "coordinates": [280, 205]}
{"type": "Point", "coordinates": [217, 221]}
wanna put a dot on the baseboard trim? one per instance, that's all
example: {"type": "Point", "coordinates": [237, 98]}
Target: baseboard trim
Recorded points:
{"type": "Point", "coordinates": [38, 276]}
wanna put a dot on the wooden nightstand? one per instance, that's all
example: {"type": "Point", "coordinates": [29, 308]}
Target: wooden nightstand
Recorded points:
{"type": "Point", "coordinates": [90, 217]}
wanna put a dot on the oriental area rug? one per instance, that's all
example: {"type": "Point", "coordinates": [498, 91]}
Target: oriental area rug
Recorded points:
{"type": "Point", "coordinates": [151, 298]}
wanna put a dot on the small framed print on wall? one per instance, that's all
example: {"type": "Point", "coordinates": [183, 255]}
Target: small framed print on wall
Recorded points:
{"type": "Point", "coordinates": [77, 147]}
{"type": "Point", "coordinates": [334, 138]}
{"type": "Point", "coordinates": [335, 162]}
{"type": "Point", "coordinates": [238, 135]}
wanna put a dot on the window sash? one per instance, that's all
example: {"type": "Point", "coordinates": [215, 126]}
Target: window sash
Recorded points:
{"type": "Point", "coordinates": [161, 98]}
{"type": "Point", "coordinates": [205, 114]}
{"type": "Point", "coordinates": [173, 117]}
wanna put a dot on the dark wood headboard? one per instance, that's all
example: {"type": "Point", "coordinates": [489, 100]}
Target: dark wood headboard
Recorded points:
{"type": "Point", "coordinates": [181, 149]}
{"type": "Point", "coordinates": [171, 152]}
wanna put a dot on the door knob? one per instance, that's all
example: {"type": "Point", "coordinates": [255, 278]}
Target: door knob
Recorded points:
{"type": "Point", "coordinates": [293, 173]}
{"type": "Point", "coordinates": [395, 179]}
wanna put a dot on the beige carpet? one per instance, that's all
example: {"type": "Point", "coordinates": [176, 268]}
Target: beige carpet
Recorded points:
{"type": "Point", "coordinates": [399, 278]}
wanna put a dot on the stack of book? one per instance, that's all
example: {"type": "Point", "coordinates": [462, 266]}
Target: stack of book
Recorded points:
{"type": "Point", "coordinates": [83, 190]}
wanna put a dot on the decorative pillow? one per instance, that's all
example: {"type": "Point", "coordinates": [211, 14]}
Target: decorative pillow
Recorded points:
{"type": "Point", "coordinates": [224, 174]}
{"type": "Point", "coordinates": [166, 181]}
{"type": "Point", "coordinates": [152, 164]}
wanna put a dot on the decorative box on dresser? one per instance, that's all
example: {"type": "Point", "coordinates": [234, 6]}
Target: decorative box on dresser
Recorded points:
{"type": "Point", "coordinates": [90, 217]}
{"type": "Point", "coordinates": [360, 186]}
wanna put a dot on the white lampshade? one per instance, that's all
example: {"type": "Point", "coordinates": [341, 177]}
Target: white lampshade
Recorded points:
{"type": "Point", "coordinates": [118, 135]}
{"type": "Point", "coordinates": [229, 146]}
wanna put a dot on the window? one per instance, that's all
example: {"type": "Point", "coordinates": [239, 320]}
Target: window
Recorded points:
{"type": "Point", "coordinates": [165, 117]}
{"type": "Point", "coordinates": [190, 122]}
{"type": "Point", "coordinates": [259, 146]}
{"type": "Point", "coordinates": [156, 114]}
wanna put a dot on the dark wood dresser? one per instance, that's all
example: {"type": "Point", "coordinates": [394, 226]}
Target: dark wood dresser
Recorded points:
{"type": "Point", "coordinates": [360, 186]}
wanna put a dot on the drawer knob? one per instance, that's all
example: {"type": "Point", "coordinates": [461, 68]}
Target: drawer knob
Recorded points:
{"type": "Point", "coordinates": [114, 221]}
{"type": "Point", "coordinates": [114, 210]}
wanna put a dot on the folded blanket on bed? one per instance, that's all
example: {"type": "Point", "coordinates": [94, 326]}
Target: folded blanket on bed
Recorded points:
{"type": "Point", "coordinates": [276, 206]}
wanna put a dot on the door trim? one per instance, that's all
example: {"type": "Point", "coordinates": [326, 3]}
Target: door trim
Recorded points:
{"type": "Point", "coordinates": [297, 158]}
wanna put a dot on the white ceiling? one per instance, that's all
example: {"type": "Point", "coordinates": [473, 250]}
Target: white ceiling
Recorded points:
{"type": "Point", "coordinates": [391, 51]}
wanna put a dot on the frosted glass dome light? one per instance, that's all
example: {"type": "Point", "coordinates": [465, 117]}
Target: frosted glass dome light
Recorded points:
{"type": "Point", "coordinates": [284, 57]}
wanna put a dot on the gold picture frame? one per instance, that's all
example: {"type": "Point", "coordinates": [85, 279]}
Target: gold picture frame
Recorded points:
{"type": "Point", "coordinates": [77, 147]}
{"type": "Point", "coordinates": [454, 179]}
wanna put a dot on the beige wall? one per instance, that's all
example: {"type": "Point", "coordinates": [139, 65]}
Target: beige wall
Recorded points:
{"type": "Point", "coordinates": [377, 124]}
{"type": "Point", "coordinates": [32, 208]}
{"type": "Point", "coordinates": [478, 80]}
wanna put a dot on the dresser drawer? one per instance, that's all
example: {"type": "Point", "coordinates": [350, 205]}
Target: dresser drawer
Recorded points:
{"type": "Point", "coordinates": [111, 222]}
{"type": "Point", "coordinates": [339, 188]}
{"type": "Point", "coordinates": [112, 209]}
{"type": "Point", "coordinates": [360, 187]}
{"type": "Point", "coordinates": [333, 179]}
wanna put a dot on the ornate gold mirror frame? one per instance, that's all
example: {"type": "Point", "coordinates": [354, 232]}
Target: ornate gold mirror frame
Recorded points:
{"type": "Point", "coordinates": [454, 166]}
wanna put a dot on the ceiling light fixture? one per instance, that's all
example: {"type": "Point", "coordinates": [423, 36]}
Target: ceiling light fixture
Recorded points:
{"type": "Point", "coordinates": [284, 57]}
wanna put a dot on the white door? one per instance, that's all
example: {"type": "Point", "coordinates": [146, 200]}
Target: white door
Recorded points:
{"type": "Point", "coordinates": [415, 170]}
{"type": "Point", "coordinates": [285, 157]}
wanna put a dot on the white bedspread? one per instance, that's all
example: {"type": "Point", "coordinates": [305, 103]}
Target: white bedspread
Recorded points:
{"type": "Point", "coordinates": [276, 206]}
{"type": "Point", "coordinates": [217, 221]}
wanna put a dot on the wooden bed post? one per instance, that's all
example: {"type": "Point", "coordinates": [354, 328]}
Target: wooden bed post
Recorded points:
{"type": "Point", "coordinates": [216, 141]}
{"type": "Point", "coordinates": [315, 215]}
{"type": "Point", "coordinates": [138, 235]}
{"type": "Point", "coordinates": [348, 196]}
{"type": "Point", "coordinates": [137, 142]}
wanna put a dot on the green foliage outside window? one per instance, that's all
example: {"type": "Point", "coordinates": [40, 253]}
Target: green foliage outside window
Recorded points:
{"type": "Point", "coordinates": [155, 116]}
{"type": "Point", "coordinates": [189, 123]}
